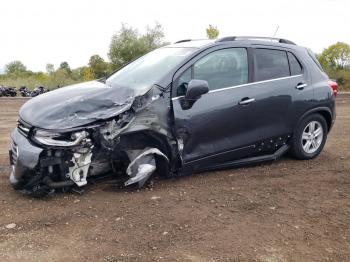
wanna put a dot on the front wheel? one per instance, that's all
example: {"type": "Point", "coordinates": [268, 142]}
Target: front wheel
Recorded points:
{"type": "Point", "coordinates": [309, 137]}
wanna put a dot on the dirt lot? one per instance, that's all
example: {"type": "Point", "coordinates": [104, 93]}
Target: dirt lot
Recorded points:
{"type": "Point", "coordinates": [284, 211]}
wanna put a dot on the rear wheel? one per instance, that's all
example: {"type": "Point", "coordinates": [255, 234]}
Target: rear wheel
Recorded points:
{"type": "Point", "coordinates": [309, 137]}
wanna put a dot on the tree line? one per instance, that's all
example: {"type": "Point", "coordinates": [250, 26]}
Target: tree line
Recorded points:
{"type": "Point", "coordinates": [128, 44]}
{"type": "Point", "coordinates": [335, 61]}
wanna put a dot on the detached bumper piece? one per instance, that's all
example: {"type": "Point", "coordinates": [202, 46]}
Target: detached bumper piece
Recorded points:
{"type": "Point", "coordinates": [142, 166]}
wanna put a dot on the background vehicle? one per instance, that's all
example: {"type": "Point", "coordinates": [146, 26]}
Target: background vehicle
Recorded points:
{"type": "Point", "coordinates": [25, 92]}
{"type": "Point", "coordinates": [8, 91]}
{"type": "Point", "coordinates": [38, 91]}
{"type": "Point", "coordinates": [188, 107]}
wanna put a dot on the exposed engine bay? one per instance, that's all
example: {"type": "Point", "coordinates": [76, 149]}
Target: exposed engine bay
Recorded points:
{"type": "Point", "coordinates": [129, 145]}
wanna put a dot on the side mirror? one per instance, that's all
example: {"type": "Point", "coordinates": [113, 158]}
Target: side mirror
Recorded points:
{"type": "Point", "coordinates": [196, 88]}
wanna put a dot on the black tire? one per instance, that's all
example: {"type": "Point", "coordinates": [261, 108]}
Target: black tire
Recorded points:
{"type": "Point", "coordinates": [298, 143]}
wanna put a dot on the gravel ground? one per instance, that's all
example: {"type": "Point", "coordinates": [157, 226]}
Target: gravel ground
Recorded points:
{"type": "Point", "coordinates": [287, 210]}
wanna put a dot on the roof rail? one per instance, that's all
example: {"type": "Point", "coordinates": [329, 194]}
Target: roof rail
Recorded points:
{"type": "Point", "coordinates": [184, 40]}
{"type": "Point", "coordinates": [272, 39]}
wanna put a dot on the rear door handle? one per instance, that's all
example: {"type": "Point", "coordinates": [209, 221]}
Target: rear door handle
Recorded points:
{"type": "Point", "coordinates": [301, 86]}
{"type": "Point", "coordinates": [246, 101]}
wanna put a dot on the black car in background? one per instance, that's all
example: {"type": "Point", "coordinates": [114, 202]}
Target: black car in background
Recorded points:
{"type": "Point", "coordinates": [8, 91]}
{"type": "Point", "coordinates": [188, 107]}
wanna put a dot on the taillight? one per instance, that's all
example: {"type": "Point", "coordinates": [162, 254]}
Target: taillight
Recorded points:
{"type": "Point", "coordinates": [334, 87]}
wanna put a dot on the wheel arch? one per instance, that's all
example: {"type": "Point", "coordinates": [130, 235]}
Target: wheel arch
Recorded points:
{"type": "Point", "coordinates": [325, 112]}
{"type": "Point", "coordinates": [143, 138]}
{"type": "Point", "coordinates": [149, 138]}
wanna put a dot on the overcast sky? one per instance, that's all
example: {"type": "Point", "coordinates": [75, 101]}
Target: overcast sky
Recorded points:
{"type": "Point", "coordinates": [38, 32]}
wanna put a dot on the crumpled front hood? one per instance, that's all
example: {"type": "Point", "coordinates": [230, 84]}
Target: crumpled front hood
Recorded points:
{"type": "Point", "coordinates": [76, 105]}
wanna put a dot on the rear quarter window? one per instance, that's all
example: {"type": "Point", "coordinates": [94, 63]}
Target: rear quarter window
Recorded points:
{"type": "Point", "coordinates": [313, 57]}
{"type": "Point", "coordinates": [295, 66]}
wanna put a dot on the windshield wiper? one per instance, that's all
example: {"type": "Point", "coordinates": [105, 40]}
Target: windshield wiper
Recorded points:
{"type": "Point", "coordinates": [160, 87]}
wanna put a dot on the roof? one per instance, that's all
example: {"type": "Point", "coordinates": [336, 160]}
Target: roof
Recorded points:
{"type": "Point", "coordinates": [258, 38]}
{"type": "Point", "coordinates": [234, 39]}
{"type": "Point", "coordinates": [192, 43]}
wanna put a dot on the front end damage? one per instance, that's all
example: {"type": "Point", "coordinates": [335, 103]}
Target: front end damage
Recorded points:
{"type": "Point", "coordinates": [132, 145]}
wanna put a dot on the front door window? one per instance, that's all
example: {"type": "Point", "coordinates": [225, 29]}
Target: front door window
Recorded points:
{"type": "Point", "coordinates": [222, 68]}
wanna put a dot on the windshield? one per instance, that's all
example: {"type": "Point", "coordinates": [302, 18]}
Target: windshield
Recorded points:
{"type": "Point", "coordinates": [150, 68]}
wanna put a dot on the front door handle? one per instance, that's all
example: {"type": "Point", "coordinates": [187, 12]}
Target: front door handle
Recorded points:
{"type": "Point", "coordinates": [301, 86]}
{"type": "Point", "coordinates": [246, 101]}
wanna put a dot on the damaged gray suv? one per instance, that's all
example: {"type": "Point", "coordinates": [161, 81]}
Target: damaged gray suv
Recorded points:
{"type": "Point", "coordinates": [188, 107]}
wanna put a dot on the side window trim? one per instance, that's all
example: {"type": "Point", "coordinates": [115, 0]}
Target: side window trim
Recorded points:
{"type": "Point", "coordinates": [251, 68]}
{"type": "Point", "coordinates": [289, 64]}
{"type": "Point", "coordinates": [248, 84]}
{"type": "Point", "coordinates": [250, 56]}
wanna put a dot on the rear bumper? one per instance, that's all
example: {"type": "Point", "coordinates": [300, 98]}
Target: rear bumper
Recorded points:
{"type": "Point", "coordinates": [24, 159]}
{"type": "Point", "coordinates": [333, 116]}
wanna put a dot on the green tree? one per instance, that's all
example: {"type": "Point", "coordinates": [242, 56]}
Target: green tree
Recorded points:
{"type": "Point", "coordinates": [154, 37]}
{"type": "Point", "coordinates": [15, 68]}
{"type": "Point", "coordinates": [65, 66]}
{"type": "Point", "coordinates": [335, 60]}
{"type": "Point", "coordinates": [212, 32]}
{"type": "Point", "coordinates": [98, 66]}
{"type": "Point", "coordinates": [87, 74]}
{"type": "Point", "coordinates": [335, 57]}
{"type": "Point", "coordinates": [127, 44]}
{"type": "Point", "coordinates": [61, 77]}
{"type": "Point", "coordinates": [50, 69]}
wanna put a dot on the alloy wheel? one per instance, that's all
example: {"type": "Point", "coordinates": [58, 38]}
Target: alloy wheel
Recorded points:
{"type": "Point", "coordinates": [312, 137]}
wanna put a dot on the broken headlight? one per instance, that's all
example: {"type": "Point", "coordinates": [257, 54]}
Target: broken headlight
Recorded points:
{"type": "Point", "coordinates": [69, 139]}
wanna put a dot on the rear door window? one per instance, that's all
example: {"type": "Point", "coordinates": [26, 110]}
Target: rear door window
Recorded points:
{"type": "Point", "coordinates": [270, 64]}
{"type": "Point", "coordinates": [295, 67]}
